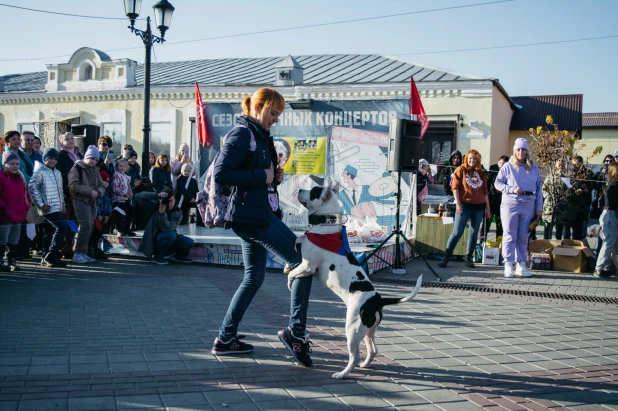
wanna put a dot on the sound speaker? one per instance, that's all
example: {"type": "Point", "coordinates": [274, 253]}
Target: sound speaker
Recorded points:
{"type": "Point", "coordinates": [85, 135]}
{"type": "Point", "coordinates": [404, 146]}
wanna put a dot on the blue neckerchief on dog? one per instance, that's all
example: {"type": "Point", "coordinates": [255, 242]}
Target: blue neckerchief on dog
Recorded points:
{"type": "Point", "coordinates": [335, 242]}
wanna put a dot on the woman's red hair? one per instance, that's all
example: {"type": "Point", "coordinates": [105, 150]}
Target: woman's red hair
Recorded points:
{"type": "Point", "coordinates": [478, 168]}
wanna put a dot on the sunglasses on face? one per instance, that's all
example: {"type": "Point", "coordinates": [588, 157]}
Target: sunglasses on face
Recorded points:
{"type": "Point", "coordinates": [609, 161]}
{"type": "Point", "coordinates": [104, 144]}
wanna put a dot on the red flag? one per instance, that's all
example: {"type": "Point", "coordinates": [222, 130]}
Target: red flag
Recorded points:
{"type": "Point", "coordinates": [416, 108]}
{"type": "Point", "coordinates": [202, 132]}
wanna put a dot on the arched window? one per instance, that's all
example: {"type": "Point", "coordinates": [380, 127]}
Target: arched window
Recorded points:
{"type": "Point", "coordinates": [88, 72]}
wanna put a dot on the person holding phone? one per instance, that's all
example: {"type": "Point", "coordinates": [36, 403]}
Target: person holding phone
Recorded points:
{"type": "Point", "coordinates": [106, 161]}
{"type": "Point", "coordinates": [183, 157]}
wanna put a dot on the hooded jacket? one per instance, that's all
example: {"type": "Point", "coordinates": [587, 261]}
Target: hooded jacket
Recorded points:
{"type": "Point", "coordinates": [13, 195]}
{"type": "Point", "coordinates": [82, 182]}
{"type": "Point", "coordinates": [242, 168]}
{"type": "Point", "coordinates": [45, 188]}
{"type": "Point", "coordinates": [444, 176]}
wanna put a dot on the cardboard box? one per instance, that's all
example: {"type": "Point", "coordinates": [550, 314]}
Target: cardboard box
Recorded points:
{"type": "Point", "coordinates": [571, 256]}
{"type": "Point", "coordinates": [491, 255]}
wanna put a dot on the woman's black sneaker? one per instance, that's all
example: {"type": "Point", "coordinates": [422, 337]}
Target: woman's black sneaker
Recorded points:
{"type": "Point", "coordinates": [300, 348]}
{"type": "Point", "coordinates": [233, 346]}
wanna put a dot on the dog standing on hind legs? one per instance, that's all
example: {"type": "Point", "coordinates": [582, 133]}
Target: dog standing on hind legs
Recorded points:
{"type": "Point", "coordinates": [327, 255]}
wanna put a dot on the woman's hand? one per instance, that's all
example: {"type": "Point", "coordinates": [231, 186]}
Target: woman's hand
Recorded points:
{"type": "Point", "coordinates": [185, 159]}
{"type": "Point", "coordinates": [279, 175]}
{"type": "Point", "coordinates": [45, 208]}
{"type": "Point", "coordinates": [487, 213]}
{"type": "Point", "coordinates": [539, 213]}
{"type": "Point", "coordinates": [105, 219]}
{"type": "Point", "coordinates": [459, 209]}
{"type": "Point", "coordinates": [269, 175]}
{"type": "Point", "coordinates": [94, 194]}
{"type": "Point", "coordinates": [137, 183]}
{"type": "Point", "coordinates": [518, 191]}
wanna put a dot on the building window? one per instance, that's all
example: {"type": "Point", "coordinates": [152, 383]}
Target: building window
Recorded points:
{"type": "Point", "coordinates": [160, 138]}
{"type": "Point", "coordinates": [120, 72]}
{"type": "Point", "coordinates": [116, 133]}
{"type": "Point", "coordinates": [26, 127]}
{"type": "Point", "coordinates": [88, 73]}
{"type": "Point", "coordinates": [52, 76]}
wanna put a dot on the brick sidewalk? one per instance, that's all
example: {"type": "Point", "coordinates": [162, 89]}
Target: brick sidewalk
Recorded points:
{"type": "Point", "coordinates": [129, 335]}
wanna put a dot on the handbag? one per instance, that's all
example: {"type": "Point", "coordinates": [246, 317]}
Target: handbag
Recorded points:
{"type": "Point", "coordinates": [423, 194]}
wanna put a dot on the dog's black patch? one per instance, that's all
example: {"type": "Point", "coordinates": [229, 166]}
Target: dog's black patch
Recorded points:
{"type": "Point", "coordinates": [360, 276]}
{"type": "Point", "coordinates": [352, 260]}
{"type": "Point", "coordinates": [369, 309]}
{"type": "Point", "coordinates": [332, 267]}
{"type": "Point", "coordinates": [361, 286]}
{"type": "Point", "coordinates": [315, 193]}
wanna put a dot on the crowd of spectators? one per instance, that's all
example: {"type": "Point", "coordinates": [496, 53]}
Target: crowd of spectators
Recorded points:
{"type": "Point", "coordinates": [74, 198]}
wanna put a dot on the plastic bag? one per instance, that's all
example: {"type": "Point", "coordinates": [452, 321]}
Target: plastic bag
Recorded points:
{"type": "Point", "coordinates": [372, 232]}
{"type": "Point", "coordinates": [353, 230]}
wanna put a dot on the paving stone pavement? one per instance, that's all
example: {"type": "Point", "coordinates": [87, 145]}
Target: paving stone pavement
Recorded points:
{"type": "Point", "coordinates": [128, 335]}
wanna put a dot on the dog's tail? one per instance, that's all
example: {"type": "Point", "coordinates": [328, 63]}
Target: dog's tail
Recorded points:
{"type": "Point", "coordinates": [391, 301]}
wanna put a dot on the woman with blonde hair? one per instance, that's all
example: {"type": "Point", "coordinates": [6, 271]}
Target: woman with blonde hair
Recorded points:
{"type": "Point", "coordinates": [248, 163]}
{"type": "Point", "coordinates": [521, 185]}
{"type": "Point", "coordinates": [469, 185]}
{"type": "Point", "coordinates": [609, 223]}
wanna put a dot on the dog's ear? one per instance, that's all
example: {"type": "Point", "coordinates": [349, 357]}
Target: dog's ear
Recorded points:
{"type": "Point", "coordinates": [334, 185]}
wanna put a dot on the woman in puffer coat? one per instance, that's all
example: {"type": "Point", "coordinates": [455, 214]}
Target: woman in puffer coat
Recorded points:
{"type": "Point", "coordinates": [47, 193]}
{"type": "Point", "coordinates": [14, 205]}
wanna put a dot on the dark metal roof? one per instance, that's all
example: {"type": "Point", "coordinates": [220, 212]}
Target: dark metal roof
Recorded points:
{"type": "Point", "coordinates": [566, 110]}
{"type": "Point", "coordinates": [318, 69]}
{"type": "Point", "coordinates": [600, 120]}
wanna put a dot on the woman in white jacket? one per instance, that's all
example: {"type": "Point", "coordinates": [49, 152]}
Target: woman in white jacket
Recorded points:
{"type": "Point", "coordinates": [46, 191]}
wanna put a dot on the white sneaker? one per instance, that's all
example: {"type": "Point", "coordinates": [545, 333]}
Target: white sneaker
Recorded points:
{"type": "Point", "coordinates": [520, 269]}
{"type": "Point", "coordinates": [508, 270]}
{"type": "Point", "coordinates": [80, 258]}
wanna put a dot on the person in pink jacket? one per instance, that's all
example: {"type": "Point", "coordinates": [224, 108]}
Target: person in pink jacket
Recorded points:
{"type": "Point", "coordinates": [121, 198]}
{"type": "Point", "coordinates": [14, 205]}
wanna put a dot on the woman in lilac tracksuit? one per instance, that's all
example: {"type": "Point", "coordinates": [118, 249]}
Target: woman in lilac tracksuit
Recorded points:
{"type": "Point", "coordinates": [520, 182]}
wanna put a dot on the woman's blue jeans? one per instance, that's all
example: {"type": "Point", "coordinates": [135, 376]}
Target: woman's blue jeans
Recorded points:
{"type": "Point", "coordinates": [256, 242]}
{"type": "Point", "coordinates": [475, 217]}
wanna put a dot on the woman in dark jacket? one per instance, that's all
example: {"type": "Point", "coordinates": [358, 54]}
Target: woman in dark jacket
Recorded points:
{"type": "Point", "coordinates": [188, 194]}
{"type": "Point", "coordinates": [248, 163]}
{"type": "Point", "coordinates": [160, 174]}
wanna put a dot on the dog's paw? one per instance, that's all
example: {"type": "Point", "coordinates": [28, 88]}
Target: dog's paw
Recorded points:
{"type": "Point", "coordinates": [339, 375]}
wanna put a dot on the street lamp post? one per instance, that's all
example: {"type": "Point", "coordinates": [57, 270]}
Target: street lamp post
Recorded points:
{"type": "Point", "coordinates": [163, 17]}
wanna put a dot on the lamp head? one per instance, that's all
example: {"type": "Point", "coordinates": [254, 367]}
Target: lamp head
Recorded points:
{"type": "Point", "coordinates": [132, 9]}
{"type": "Point", "coordinates": [163, 15]}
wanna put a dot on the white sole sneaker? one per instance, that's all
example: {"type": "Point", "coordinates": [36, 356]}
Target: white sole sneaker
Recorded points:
{"type": "Point", "coordinates": [508, 271]}
{"type": "Point", "coordinates": [522, 271]}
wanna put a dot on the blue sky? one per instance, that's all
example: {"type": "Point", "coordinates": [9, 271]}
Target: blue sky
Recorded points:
{"type": "Point", "coordinates": [587, 67]}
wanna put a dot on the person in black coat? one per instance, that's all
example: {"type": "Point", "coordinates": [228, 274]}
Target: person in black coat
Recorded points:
{"type": "Point", "coordinates": [188, 195]}
{"type": "Point", "coordinates": [495, 199]}
{"type": "Point", "coordinates": [444, 175]}
{"type": "Point", "coordinates": [161, 173]}
{"type": "Point", "coordinates": [106, 159]}
{"type": "Point", "coordinates": [248, 162]}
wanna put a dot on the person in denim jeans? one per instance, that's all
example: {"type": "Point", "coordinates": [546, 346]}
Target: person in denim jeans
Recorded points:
{"type": "Point", "coordinates": [469, 185]}
{"type": "Point", "coordinates": [248, 162]}
{"type": "Point", "coordinates": [609, 224]}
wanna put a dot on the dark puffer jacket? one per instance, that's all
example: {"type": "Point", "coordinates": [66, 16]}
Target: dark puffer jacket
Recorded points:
{"type": "Point", "coordinates": [243, 169]}
{"type": "Point", "coordinates": [444, 176]}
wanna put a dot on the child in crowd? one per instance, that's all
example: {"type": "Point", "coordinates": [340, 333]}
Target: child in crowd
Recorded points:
{"type": "Point", "coordinates": [101, 223]}
{"type": "Point", "coordinates": [121, 199]}
{"type": "Point", "coordinates": [160, 174]}
{"type": "Point", "coordinates": [134, 171]}
{"type": "Point", "coordinates": [48, 196]}
{"type": "Point", "coordinates": [86, 187]}
{"type": "Point", "coordinates": [14, 205]}
{"type": "Point", "coordinates": [189, 193]}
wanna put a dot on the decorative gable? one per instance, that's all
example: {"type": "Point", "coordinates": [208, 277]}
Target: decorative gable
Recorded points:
{"type": "Point", "coordinates": [90, 70]}
{"type": "Point", "coordinates": [289, 72]}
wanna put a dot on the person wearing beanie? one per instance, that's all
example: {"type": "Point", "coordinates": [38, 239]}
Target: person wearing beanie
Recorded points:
{"type": "Point", "coordinates": [188, 193]}
{"type": "Point", "coordinates": [183, 157]}
{"type": "Point", "coordinates": [423, 179]}
{"type": "Point", "coordinates": [48, 196]}
{"type": "Point", "coordinates": [86, 187]}
{"type": "Point", "coordinates": [521, 185]}
{"type": "Point", "coordinates": [14, 205]}
{"type": "Point", "coordinates": [134, 171]}
{"type": "Point", "coordinates": [12, 140]}
{"type": "Point", "coordinates": [446, 171]}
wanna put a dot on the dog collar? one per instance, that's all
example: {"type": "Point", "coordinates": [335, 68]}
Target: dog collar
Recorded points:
{"type": "Point", "coordinates": [327, 219]}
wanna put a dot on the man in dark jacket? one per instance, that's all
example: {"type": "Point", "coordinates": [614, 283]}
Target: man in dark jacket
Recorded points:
{"type": "Point", "coordinates": [444, 176]}
{"type": "Point", "coordinates": [160, 237]}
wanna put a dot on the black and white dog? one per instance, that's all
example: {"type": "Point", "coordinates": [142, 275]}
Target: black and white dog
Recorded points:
{"type": "Point", "coordinates": [326, 254]}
